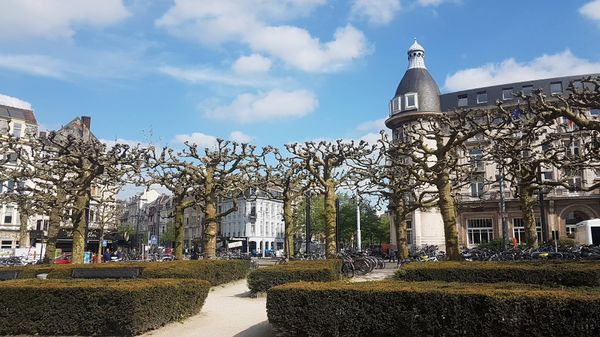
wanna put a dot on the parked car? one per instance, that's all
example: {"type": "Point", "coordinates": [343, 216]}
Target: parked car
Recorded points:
{"type": "Point", "coordinates": [63, 259]}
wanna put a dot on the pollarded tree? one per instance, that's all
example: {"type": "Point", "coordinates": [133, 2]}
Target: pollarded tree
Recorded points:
{"type": "Point", "coordinates": [391, 177]}
{"type": "Point", "coordinates": [325, 163]}
{"type": "Point", "coordinates": [290, 183]}
{"type": "Point", "coordinates": [433, 146]}
{"type": "Point", "coordinates": [168, 170]}
{"type": "Point", "coordinates": [576, 107]}
{"type": "Point", "coordinates": [69, 163]}
{"type": "Point", "coordinates": [203, 179]}
{"type": "Point", "coordinates": [224, 172]}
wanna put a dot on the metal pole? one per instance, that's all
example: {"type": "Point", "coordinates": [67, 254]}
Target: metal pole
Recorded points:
{"type": "Point", "coordinates": [505, 241]}
{"type": "Point", "coordinates": [542, 208]}
{"type": "Point", "coordinates": [543, 215]}
{"type": "Point", "coordinates": [308, 224]}
{"type": "Point", "coordinates": [337, 225]}
{"type": "Point", "coordinates": [358, 235]}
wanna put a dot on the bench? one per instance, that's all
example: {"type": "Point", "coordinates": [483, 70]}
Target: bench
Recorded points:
{"type": "Point", "coordinates": [106, 272]}
{"type": "Point", "coordinates": [8, 275]}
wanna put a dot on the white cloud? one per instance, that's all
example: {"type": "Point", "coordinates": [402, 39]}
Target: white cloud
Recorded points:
{"type": "Point", "coordinates": [298, 48]}
{"type": "Point", "coordinates": [198, 138]}
{"type": "Point", "coordinates": [434, 3]}
{"type": "Point", "coordinates": [510, 70]}
{"type": "Point", "coordinates": [378, 12]}
{"type": "Point", "coordinates": [14, 102]}
{"type": "Point", "coordinates": [55, 18]}
{"type": "Point", "coordinates": [38, 65]}
{"type": "Point", "coordinates": [254, 63]}
{"type": "Point", "coordinates": [207, 141]}
{"type": "Point", "coordinates": [255, 25]}
{"type": "Point", "coordinates": [375, 125]}
{"type": "Point", "coordinates": [240, 137]}
{"type": "Point", "coordinates": [275, 104]}
{"type": "Point", "coordinates": [591, 10]}
{"type": "Point", "coordinates": [208, 75]}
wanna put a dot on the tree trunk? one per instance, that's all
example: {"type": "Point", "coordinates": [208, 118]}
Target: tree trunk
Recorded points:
{"type": "Point", "coordinates": [399, 220]}
{"type": "Point", "coordinates": [178, 226]}
{"type": "Point", "coordinates": [54, 226]}
{"type": "Point", "coordinates": [210, 217]}
{"type": "Point", "coordinates": [330, 219]}
{"type": "Point", "coordinates": [79, 226]}
{"type": "Point", "coordinates": [23, 230]}
{"type": "Point", "coordinates": [448, 210]}
{"type": "Point", "coordinates": [100, 241]}
{"type": "Point", "coordinates": [528, 205]}
{"type": "Point", "coordinates": [288, 220]}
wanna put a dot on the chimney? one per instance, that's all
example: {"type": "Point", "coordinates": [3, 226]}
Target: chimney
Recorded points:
{"type": "Point", "coordinates": [86, 120]}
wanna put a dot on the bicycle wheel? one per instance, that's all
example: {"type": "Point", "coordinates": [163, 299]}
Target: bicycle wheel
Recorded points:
{"type": "Point", "coordinates": [347, 269]}
{"type": "Point", "coordinates": [362, 266]}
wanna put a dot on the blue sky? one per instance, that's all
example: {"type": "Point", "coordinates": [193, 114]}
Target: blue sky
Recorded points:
{"type": "Point", "coordinates": [271, 71]}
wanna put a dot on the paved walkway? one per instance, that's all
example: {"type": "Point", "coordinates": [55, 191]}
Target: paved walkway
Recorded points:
{"type": "Point", "coordinates": [227, 312]}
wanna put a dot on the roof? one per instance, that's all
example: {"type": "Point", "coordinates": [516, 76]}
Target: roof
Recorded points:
{"type": "Point", "coordinates": [16, 113]}
{"type": "Point", "coordinates": [420, 81]}
{"type": "Point", "coordinates": [416, 46]}
{"type": "Point", "coordinates": [449, 101]}
{"type": "Point", "coordinates": [77, 129]}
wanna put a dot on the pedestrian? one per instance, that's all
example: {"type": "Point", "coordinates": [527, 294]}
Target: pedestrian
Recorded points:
{"type": "Point", "coordinates": [106, 255]}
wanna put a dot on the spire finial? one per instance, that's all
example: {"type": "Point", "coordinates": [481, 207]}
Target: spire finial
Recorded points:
{"type": "Point", "coordinates": [416, 54]}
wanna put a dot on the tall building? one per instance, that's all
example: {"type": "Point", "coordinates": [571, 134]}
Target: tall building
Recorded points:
{"type": "Point", "coordinates": [18, 121]}
{"type": "Point", "coordinates": [478, 217]}
{"type": "Point", "coordinates": [257, 223]}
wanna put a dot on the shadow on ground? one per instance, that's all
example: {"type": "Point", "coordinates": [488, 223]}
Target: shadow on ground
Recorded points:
{"type": "Point", "coordinates": [262, 329]}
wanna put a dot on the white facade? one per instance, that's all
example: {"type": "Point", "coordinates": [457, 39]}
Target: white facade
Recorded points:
{"type": "Point", "coordinates": [17, 122]}
{"type": "Point", "coordinates": [259, 222]}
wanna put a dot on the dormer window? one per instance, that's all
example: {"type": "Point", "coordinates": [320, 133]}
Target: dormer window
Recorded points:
{"type": "Point", "coordinates": [411, 101]}
{"type": "Point", "coordinates": [482, 97]}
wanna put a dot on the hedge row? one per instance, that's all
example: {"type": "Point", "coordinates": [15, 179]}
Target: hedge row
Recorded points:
{"type": "Point", "coordinates": [563, 274]}
{"type": "Point", "coordinates": [96, 307]}
{"type": "Point", "coordinates": [260, 280]}
{"type": "Point", "coordinates": [214, 271]}
{"type": "Point", "coordinates": [392, 308]}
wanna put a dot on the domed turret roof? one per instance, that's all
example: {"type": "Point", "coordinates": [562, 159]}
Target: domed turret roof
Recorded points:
{"type": "Point", "coordinates": [416, 46]}
{"type": "Point", "coordinates": [418, 80]}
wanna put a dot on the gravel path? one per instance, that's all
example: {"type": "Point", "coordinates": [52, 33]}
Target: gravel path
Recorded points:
{"type": "Point", "coordinates": [227, 312]}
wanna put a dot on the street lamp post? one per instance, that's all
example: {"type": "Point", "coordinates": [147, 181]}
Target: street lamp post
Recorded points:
{"type": "Point", "coordinates": [308, 224]}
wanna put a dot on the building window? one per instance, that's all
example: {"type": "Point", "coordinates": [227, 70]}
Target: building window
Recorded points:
{"type": "Point", "coordinates": [17, 130]}
{"type": "Point", "coordinates": [475, 158]}
{"type": "Point", "coordinates": [479, 231]}
{"type": "Point", "coordinates": [411, 101]}
{"type": "Point", "coordinates": [556, 88]}
{"type": "Point", "coordinates": [8, 215]}
{"type": "Point", "coordinates": [574, 179]}
{"type": "Point", "coordinates": [482, 97]}
{"type": "Point", "coordinates": [3, 126]}
{"type": "Point", "coordinates": [527, 90]}
{"type": "Point", "coordinates": [463, 100]}
{"type": "Point", "coordinates": [519, 230]}
{"type": "Point", "coordinates": [477, 186]}
{"type": "Point", "coordinates": [577, 86]}
{"type": "Point", "coordinates": [395, 105]}
{"type": "Point", "coordinates": [594, 112]}
{"type": "Point", "coordinates": [507, 94]}
{"type": "Point", "coordinates": [6, 244]}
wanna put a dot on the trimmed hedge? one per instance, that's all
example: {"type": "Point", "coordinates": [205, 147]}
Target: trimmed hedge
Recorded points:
{"type": "Point", "coordinates": [392, 308]}
{"type": "Point", "coordinates": [260, 280]}
{"type": "Point", "coordinates": [96, 307]}
{"type": "Point", "coordinates": [571, 274]}
{"type": "Point", "coordinates": [214, 271]}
